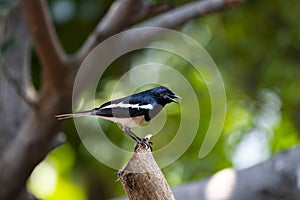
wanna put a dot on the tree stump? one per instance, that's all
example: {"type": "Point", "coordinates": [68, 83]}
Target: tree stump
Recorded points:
{"type": "Point", "coordinates": [141, 177]}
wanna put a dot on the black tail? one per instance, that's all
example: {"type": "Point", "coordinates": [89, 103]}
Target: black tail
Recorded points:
{"type": "Point", "coordinates": [76, 114]}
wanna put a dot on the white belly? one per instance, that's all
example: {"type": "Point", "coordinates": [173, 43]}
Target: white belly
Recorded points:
{"type": "Point", "coordinates": [129, 122]}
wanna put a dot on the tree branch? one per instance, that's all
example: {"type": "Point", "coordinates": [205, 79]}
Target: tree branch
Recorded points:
{"type": "Point", "coordinates": [183, 14]}
{"type": "Point", "coordinates": [48, 48]}
{"type": "Point", "coordinates": [141, 178]}
{"type": "Point", "coordinates": [147, 10]}
{"type": "Point", "coordinates": [15, 84]}
{"type": "Point", "coordinates": [277, 178]}
{"type": "Point", "coordinates": [114, 21]}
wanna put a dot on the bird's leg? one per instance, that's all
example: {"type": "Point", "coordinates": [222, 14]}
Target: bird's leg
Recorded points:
{"type": "Point", "coordinates": [131, 134]}
{"type": "Point", "coordinates": [144, 142]}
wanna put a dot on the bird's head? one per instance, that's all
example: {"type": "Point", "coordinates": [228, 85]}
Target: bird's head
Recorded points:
{"type": "Point", "coordinates": [164, 95]}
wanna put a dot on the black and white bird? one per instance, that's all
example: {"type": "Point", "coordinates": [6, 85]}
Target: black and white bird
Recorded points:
{"type": "Point", "coordinates": [132, 110]}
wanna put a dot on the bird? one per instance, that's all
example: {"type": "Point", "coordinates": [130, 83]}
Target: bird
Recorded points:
{"type": "Point", "coordinates": [131, 111]}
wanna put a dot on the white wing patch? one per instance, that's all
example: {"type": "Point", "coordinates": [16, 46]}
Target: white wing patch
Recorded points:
{"type": "Point", "coordinates": [127, 105]}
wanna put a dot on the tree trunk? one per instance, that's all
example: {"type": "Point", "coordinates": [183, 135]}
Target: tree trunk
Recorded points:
{"type": "Point", "coordinates": [14, 69]}
{"type": "Point", "coordinates": [14, 58]}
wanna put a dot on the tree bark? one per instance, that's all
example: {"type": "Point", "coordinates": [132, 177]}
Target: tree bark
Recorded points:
{"type": "Point", "coordinates": [141, 177]}
{"type": "Point", "coordinates": [14, 59]}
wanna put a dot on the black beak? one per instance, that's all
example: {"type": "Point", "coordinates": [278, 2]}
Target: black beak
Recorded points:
{"type": "Point", "coordinates": [173, 97]}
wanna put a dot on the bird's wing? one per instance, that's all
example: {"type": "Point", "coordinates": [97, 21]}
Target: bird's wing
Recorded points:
{"type": "Point", "coordinates": [131, 106]}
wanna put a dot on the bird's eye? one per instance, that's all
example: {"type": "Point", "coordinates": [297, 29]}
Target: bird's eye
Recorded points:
{"type": "Point", "coordinates": [163, 90]}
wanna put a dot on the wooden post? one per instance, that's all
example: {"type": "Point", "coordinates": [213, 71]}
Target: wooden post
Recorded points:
{"type": "Point", "coordinates": [141, 177]}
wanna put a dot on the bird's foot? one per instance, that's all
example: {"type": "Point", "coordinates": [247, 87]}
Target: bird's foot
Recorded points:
{"type": "Point", "coordinates": [145, 142]}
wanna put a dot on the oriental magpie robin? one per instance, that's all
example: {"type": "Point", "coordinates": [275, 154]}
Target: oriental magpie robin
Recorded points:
{"type": "Point", "coordinates": [132, 110]}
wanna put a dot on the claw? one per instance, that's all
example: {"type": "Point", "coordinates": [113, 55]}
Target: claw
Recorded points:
{"type": "Point", "coordinates": [145, 143]}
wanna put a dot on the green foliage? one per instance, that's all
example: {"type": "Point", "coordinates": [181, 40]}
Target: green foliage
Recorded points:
{"type": "Point", "coordinates": [285, 135]}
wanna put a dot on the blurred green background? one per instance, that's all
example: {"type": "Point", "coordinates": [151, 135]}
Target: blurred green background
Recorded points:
{"type": "Point", "coordinates": [257, 50]}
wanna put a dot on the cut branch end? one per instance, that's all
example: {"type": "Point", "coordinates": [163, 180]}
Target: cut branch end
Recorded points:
{"type": "Point", "coordinates": [141, 177]}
